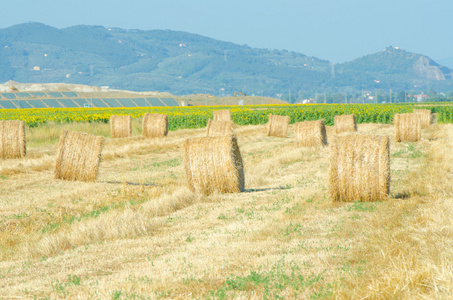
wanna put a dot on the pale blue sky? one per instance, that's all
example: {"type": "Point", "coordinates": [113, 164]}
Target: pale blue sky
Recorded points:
{"type": "Point", "coordinates": [336, 30]}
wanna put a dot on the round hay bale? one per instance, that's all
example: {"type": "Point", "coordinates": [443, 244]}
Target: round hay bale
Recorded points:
{"type": "Point", "coordinates": [345, 123]}
{"type": "Point", "coordinates": [425, 117]}
{"type": "Point", "coordinates": [214, 164]}
{"type": "Point", "coordinates": [12, 139]}
{"type": "Point", "coordinates": [219, 128]}
{"type": "Point", "coordinates": [359, 168]}
{"type": "Point", "coordinates": [155, 125]}
{"type": "Point", "coordinates": [277, 125]}
{"type": "Point", "coordinates": [408, 127]}
{"type": "Point", "coordinates": [311, 134]}
{"type": "Point", "coordinates": [120, 126]}
{"type": "Point", "coordinates": [222, 115]}
{"type": "Point", "coordinates": [79, 155]}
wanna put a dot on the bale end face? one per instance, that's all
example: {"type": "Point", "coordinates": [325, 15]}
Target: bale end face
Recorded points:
{"type": "Point", "coordinates": [359, 168]}
{"type": "Point", "coordinates": [214, 164]}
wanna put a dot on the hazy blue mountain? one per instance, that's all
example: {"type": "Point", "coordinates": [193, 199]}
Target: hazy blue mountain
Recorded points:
{"type": "Point", "coordinates": [185, 63]}
{"type": "Point", "coordinates": [448, 62]}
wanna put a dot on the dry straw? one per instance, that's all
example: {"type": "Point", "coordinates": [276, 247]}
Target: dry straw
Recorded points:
{"type": "Point", "coordinates": [155, 125]}
{"type": "Point", "coordinates": [219, 128]}
{"type": "Point", "coordinates": [359, 168]}
{"type": "Point", "coordinates": [214, 164]}
{"type": "Point", "coordinates": [311, 134]}
{"type": "Point", "coordinates": [425, 116]}
{"type": "Point", "coordinates": [12, 139]}
{"type": "Point", "coordinates": [120, 126]}
{"type": "Point", "coordinates": [222, 115]}
{"type": "Point", "coordinates": [345, 123]}
{"type": "Point", "coordinates": [79, 155]}
{"type": "Point", "coordinates": [277, 125]}
{"type": "Point", "coordinates": [408, 127]}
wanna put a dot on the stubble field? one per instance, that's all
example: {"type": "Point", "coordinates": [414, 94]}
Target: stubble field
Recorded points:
{"type": "Point", "coordinates": [138, 232]}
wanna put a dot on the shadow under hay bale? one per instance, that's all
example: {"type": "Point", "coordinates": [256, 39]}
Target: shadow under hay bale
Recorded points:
{"type": "Point", "coordinates": [155, 125]}
{"type": "Point", "coordinates": [222, 115]}
{"type": "Point", "coordinates": [425, 117]}
{"type": "Point", "coordinates": [12, 139]}
{"type": "Point", "coordinates": [120, 126]}
{"type": "Point", "coordinates": [79, 155]}
{"type": "Point", "coordinates": [359, 168]}
{"type": "Point", "coordinates": [213, 164]}
{"type": "Point", "coordinates": [277, 125]}
{"type": "Point", "coordinates": [408, 127]}
{"type": "Point", "coordinates": [219, 128]}
{"type": "Point", "coordinates": [311, 134]}
{"type": "Point", "coordinates": [345, 123]}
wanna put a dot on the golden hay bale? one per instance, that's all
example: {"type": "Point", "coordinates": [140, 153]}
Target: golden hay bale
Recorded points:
{"type": "Point", "coordinates": [12, 139]}
{"type": "Point", "coordinates": [425, 116]}
{"type": "Point", "coordinates": [155, 125]}
{"type": "Point", "coordinates": [359, 168]}
{"type": "Point", "coordinates": [79, 155]}
{"type": "Point", "coordinates": [277, 125]}
{"type": "Point", "coordinates": [120, 126]}
{"type": "Point", "coordinates": [214, 164]}
{"type": "Point", "coordinates": [345, 123]}
{"type": "Point", "coordinates": [311, 134]}
{"type": "Point", "coordinates": [222, 115]}
{"type": "Point", "coordinates": [219, 128]}
{"type": "Point", "coordinates": [408, 127]}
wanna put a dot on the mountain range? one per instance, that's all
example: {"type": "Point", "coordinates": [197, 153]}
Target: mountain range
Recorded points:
{"type": "Point", "coordinates": [184, 63]}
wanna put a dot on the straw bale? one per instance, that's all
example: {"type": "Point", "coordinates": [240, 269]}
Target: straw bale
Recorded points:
{"type": "Point", "coordinates": [79, 155]}
{"type": "Point", "coordinates": [155, 125]}
{"type": "Point", "coordinates": [345, 123]}
{"type": "Point", "coordinates": [311, 134]}
{"type": "Point", "coordinates": [12, 139]}
{"type": "Point", "coordinates": [214, 164]}
{"type": "Point", "coordinates": [219, 128]}
{"type": "Point", "coordinates": [425, 116]}
{"type": "Point", "coordinates": [408, 127]}
{"type": "Point", "coordinates": [277, 125]}
{"type": "Point", "coordinates": [222, 115]}
{"type": "Point", "coordinates": [359, 168]}
{"type": "Point", "coordinates": [120, 126]}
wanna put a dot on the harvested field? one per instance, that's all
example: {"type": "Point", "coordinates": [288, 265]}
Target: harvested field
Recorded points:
{"type": "Point", "coordinates": [139, 232]}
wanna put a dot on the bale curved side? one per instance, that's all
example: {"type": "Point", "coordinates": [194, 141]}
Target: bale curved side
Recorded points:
{"type": "Point", "coordinates": [311, 134]}
{"type": "Point", "coordinates": [359, 168]}
{"type": "Point", "coordinates": [277, 125]}
{"type": "Point", "coordinates": [78, 156]}
{"type": "Point", "coordinates": [214, 164]}
{"type": "Point", "coordinates": [12, 139]}
{"type": "Point", "coordinates": [425, 117]}
{"type": "Point", "coordinates": [345, 123]}
{"type": "Point", "coordinates": [120, 126]}
{"type": "Point", "coordinates": [222, 115]}
{"type": "Point", "coordinates": [155, 125]}
{"type": "Point", "coordinates": [219, 128]}
{"type": "Point", "coordinates": [408, 127]}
